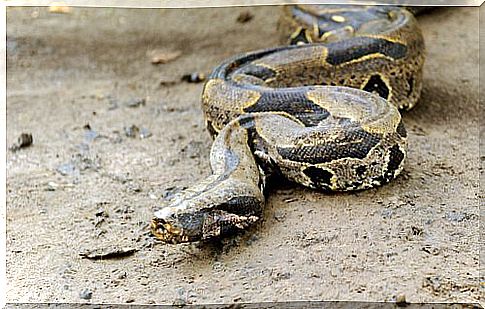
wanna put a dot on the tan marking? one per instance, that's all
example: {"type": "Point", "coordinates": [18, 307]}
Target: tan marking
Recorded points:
{"type": "Point", "coordinates": [260, 62]}
{"type": "Point", "coordinates": [383, 125]}
{"type": "Point", "coordinates": [308, 36]}
{"type": "Point", "coordinates": [385, 37]}
{"type": "Point", "coordinates": [261, 132]}
{"type": "Point", "coordinates": [337, 34]}
{"type": "Point", "coordinates": [276, 70]}
{"type": "Point", "coordinates": [338, 18]}
{"type": "Point", "coordinates": [296, 32]}
{"type": "Point", "coordinates": [324, 57]}
{"type": "Point", "coordinates": [333, 179]}
{"type": "Point", "coordinates": [315, 29]}
{"type": "Point", "coordinates": [388, 85]}
{"type": "Point", "coordinates": [365, 58]}
{"type": "Point", "coordinates": [216, 87]}
{"type": "Point", "coordinates": [336, 110]}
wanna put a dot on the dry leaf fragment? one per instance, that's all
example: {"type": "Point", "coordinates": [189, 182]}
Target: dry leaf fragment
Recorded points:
{"type": "Point", "coordinates": [160, 56]}
{"type": "Point", "coordinates": [244, 17]}
{"type": "Point", "coordinates": [108, 253]}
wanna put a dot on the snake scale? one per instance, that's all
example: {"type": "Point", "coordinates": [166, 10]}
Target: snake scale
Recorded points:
{"type": "Point", "coordinates": [321, 111]}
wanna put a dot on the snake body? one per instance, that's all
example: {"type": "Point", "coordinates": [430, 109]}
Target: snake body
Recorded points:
{"type": "Point", "coordinates": [321, 112]}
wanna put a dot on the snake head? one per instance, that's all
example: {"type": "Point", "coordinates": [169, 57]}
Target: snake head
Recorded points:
{"type": "Point", "coordinates": [173, 225]}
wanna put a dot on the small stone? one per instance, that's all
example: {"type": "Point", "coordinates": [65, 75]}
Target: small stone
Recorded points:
{"type": "Point", "coordinates": [244, 17]}
{"type": "Point", "coordinates": [282, 276]}
{"type": "Point", "coordinates": [401, 300]}
{"type": "Point", "coordinates": [122, 275]}
{"type": "Point", "coordinates": [152, 196]}
{"type": "Point", "coordinates": [23, 141]}
{"type": "Point", "coordinates": [137, 102]}
{"type": "Point", "coordinates": [86, 294]}
{"type": "Point", "coordinates": [52, 186]}
{"type": "Point", "coordinates": [145, 133]}
{"type": "Point", "coordinates": [67, 169]}
{"type": "Point", "coordinates": [193, 77]}
{"type": "Point", "coordinates": [179, 302]}
{"type": "Point", "coordinates": [387, 213]}
{"type": "Point", "coordinates": [136, 188]}
{"type": "Point", "coordinates": [279, 215]}
{"type": "Point", "coordinates": [101, 212]}
{"type": "Point", "coordinates": [132, 131]}
{"type": "Point", "coordinates": [455, 216]}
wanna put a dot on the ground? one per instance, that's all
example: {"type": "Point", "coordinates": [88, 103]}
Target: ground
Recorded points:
{"type": "Point", "coordinates": [79, 81]}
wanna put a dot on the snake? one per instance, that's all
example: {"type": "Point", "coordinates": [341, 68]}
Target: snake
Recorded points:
{"type": "Point", "coordinates": [322, 111]}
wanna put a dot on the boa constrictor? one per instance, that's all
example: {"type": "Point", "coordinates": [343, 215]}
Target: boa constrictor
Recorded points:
{"type": "Point", "coordinates": [321, 111]}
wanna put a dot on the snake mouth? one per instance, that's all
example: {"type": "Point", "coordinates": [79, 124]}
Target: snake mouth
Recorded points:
{"type": "Point", "coordinates": [168, 233]}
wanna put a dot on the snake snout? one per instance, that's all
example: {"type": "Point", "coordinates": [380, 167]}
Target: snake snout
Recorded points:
{"type": "Point", "coordinates": [163, 226]}
{"type": "Point", "coordinates": [173, 225]}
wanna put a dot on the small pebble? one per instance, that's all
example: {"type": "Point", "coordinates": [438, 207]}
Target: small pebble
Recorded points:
{"type": "Point", "coordinates": [401, 300]}
{"type": "Point", "coordinates": [66, 169]}
{"type": "Point", "coordinates": [132, 131]}
{"type": "Point", "coordinates": [86, 294]}
{"type": "Point", "coordinates": [52, 186]}
{"type": "Point", "coordinates": [144, 133]}
{"type": "Point", "coordinates": [244, 17]}
{"type": "Point", "coordinates": [101, 213]}
{"type": "Point", "coordinates": [122, 275]}
{"type": "Point", "coordinates": [193, 77]}
{"type": "Point", "coordinates": [279, 215]}
{"type": "Point", "coordinates": [137, 102]}
{"type": "Point", "coordinates": [152, 196]}
{"type": "Point", "coordinates": [23, 141]}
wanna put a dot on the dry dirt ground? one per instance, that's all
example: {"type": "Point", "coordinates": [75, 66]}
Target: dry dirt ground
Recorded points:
{"type": "Point", "coordinates": [77, 82]}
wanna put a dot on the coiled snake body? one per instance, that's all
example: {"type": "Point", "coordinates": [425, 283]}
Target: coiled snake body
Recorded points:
{"type": "Point", "coordinates": [323, 114]}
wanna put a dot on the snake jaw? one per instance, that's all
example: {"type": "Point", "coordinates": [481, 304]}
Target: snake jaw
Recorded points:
{"type": "Point", "coordinates": [167, 227]}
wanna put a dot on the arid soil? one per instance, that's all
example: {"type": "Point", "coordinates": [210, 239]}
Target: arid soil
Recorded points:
{"type": "Point", "coordinates": [114, 136]}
